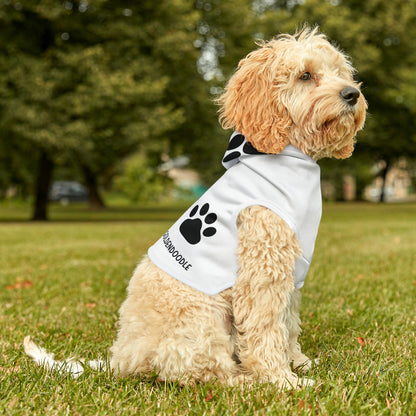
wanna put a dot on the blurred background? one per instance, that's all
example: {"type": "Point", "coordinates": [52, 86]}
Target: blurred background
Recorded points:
{"type": "Point", "coordinates": [107, 101]}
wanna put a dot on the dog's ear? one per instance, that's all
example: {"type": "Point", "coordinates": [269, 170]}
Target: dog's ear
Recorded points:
{"type": "Point", "coordinates": [251, 104]}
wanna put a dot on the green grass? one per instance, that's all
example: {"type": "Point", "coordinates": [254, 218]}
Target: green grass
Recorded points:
{"type": "Point", "coordinates": [362, 284]}
{"type": "Point", "coordinates": [12, 212]}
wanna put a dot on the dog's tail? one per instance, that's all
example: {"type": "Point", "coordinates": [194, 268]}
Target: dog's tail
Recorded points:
{"type": "Point", "coordinates": [71, 366]}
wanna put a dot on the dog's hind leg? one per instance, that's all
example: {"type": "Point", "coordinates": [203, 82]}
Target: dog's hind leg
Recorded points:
{"type": "Point", "coordinates": [267, 252]}
{"type": "Point", "coordinates": [199, 348]}
{"type": "Point", "coordinates": [166, 326]}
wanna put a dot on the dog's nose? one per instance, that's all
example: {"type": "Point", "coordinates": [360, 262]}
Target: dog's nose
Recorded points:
{"type": "Point", "coordinates": [350, 95]}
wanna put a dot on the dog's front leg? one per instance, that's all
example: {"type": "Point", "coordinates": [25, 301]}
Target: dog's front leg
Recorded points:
{"type": "Point", "coordinates": [299, 360]}
{"type": "Point", "coordinates": [267, 252]}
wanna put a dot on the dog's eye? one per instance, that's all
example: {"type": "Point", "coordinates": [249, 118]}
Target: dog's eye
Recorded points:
{"type": "Point", "coordinates": [306, 76]}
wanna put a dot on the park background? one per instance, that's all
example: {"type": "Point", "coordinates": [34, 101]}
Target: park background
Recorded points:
{"type": "Point", "coordinates": [119, 96]}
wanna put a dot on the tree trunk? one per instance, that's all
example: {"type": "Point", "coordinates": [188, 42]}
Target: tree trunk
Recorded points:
{"type": "Point", "coordinates": [42, 185]}
{"type": "Point", "coordinates": [90, 179]}
{"type": "Point", "coordinates": [384, 173]}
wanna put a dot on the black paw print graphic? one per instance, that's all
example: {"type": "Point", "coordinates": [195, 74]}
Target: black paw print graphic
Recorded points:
{"type": "Point", "coordinates": [191, 228]}
{"type": "Point", "coordinates": [237, 147]}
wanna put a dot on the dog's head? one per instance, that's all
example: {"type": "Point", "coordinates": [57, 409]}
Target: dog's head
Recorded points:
{"type": "Point", "coordinates": [295, 90]}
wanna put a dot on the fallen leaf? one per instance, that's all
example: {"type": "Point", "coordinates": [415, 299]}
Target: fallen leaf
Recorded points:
{"type": "Point", "coordinates": [302, 405]}
{"type": "Point", "coordinates": [91, 305]}
{"type": "Point", "coordinates": [361, 341]}
{"type": "Point", "coordinates": [209, 396]}
{"type": "Point", "coordinates": [350, 312]}
{"type": "Point", "coordinates": [20, 285]}
{"type": "Point", "coordinates": [414, 282]}
{"type": "Point", "coordinates": [359, 277]}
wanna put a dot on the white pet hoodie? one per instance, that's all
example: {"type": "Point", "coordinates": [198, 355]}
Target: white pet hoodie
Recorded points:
{"type": "Point", "coordinates": [200, 248]}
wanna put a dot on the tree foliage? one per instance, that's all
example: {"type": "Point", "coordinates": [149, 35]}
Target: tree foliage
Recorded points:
{"type": "Point", "coordinates": [140, 181]}
{"type": "Point", "coordinates": [90, 84]}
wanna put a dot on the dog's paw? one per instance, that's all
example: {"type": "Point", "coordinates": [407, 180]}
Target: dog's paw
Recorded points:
{"type": "Point", "coordinates": [306, 382]}
{"type": "Point", "coordinates": [304, 364]}
{"type": "Point", "coordinates": [192, 228]}
{"type": "Point", "coordinates": [295, 383]}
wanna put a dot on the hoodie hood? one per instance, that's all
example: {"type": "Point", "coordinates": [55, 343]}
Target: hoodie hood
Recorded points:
{"type": "Point", "coordinates": [238, 148]}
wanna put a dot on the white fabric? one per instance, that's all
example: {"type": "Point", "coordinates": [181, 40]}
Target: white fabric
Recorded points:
{"type": "Point", "coordinates": [200, 248]}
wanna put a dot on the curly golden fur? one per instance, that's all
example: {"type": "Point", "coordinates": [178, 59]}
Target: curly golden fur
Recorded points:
{"type": "Point", "coordinates": [295, 90]}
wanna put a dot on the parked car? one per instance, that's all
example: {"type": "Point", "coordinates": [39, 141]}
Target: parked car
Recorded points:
{"type": "Point", "coordinates": [68, 191]}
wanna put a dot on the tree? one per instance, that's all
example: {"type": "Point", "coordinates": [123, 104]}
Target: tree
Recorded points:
{"type": "Point", "coordinates": [85, 83]}
{"type": "Point", "coordinates": [140, 182]}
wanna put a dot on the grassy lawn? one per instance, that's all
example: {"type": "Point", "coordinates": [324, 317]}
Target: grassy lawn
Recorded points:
{"type": "Point", "coordinates": [62, 282]}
